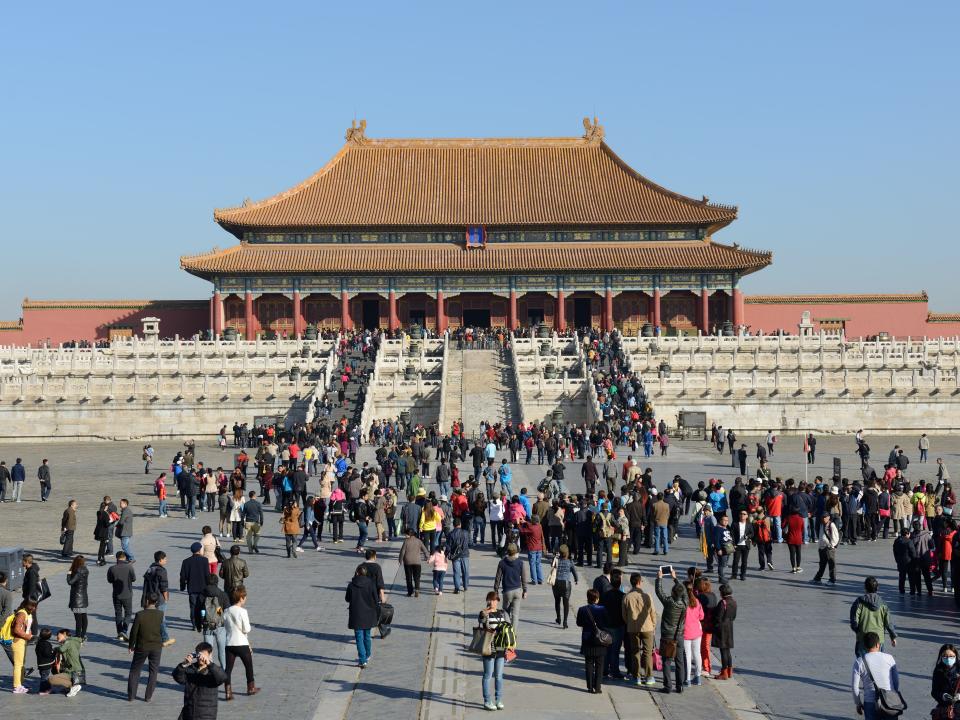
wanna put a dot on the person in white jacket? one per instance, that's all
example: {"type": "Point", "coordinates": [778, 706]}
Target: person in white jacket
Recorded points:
{"type": "Point", "coordinates": [237, 623]}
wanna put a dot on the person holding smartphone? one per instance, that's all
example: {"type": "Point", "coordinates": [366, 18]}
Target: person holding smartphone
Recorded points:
{"type": "Point", "coordinates": [200, 677]}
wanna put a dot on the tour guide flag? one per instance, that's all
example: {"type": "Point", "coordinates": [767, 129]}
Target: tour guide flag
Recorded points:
{"type": "Point", "coordinates": [476, 236]}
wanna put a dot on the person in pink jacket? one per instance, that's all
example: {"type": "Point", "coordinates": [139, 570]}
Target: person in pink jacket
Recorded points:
{"type": "Point", "coordinates": [692, 631]}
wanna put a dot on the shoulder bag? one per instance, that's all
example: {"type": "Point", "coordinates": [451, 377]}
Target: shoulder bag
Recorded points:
{"type": "Point", "coordinates": [668, 646]}
{"type": "Point", "coordinates": [552, 575]}
{"type": "Point", "coordinates": [946, 712]}
{"type": "Point", "coordinates": [600, 638]}
{"type": "Point", "coordinates": [890, 703]}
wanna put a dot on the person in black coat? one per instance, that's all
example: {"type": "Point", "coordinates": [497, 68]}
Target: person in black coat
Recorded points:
{"type": "Point", "coordinates": [723, 616]}
{"type": "Point", "coordinates": [77, 578]}
{"type": "Point", "coordinates": [364, 601]}
{"type": "Point", "coordinates": [31, 579]}
{"type": "Point", "coordinates": [200, 677]}
{"type": "Point", "coordinates": [101, 533]}
{"type": "Point", "coordinates": [193, 579]}
{"type": "Point", "coordinates": [946, 678]}
{"type": "Point", "coordinates": [905, 554]}
{"type": "Point", "coordinates": [590, 617]}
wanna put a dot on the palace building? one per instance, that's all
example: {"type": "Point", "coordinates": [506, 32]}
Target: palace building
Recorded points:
{"type": "Point", "coordinates": [503, 232]}
{"type": "Point", "coordinates": [484, 232]}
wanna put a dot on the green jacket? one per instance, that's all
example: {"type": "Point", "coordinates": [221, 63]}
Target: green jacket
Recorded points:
{"type": "Point", "coordinates": [70, 651]}
{"type": "Point", "coordinates": [870, 614]}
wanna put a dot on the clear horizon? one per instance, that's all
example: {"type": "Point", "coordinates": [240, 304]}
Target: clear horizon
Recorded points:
{"type": "Point", "coordinates": [830, 126]}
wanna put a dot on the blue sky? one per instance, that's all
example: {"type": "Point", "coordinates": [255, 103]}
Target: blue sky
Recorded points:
{"type": "Point", "coordinates": [831, 125]}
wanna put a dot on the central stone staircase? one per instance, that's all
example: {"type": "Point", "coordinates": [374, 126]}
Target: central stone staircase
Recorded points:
{"type": "Point", "coordinates": [479, 386]}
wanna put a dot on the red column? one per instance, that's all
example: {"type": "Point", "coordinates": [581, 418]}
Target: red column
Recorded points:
{"type": "Point", "coordinates": [513, 310]}
{"type": "Point", "coordinates": [704, 311]}
{"type": "Point", "coordinates": [441, 314]}
{"type": "Point", "coordinates": [737, 308]}
{"type": "Point", "coordinates": [345, 322]}
{"type": "Point", "coordinates": [608, 310]}
{"type": "Point", "coordinates": [217, 324]}
{"type": "Point", "coordinates": [656, 308]}
{"type": "Point", "coordinates": [297, 314]}
{"type": "Point", "coordinates": [561, 311]}
{"type": "Point", "coordinates": [251, 333]}
{"type": "Point", "coordinates": [394, 320]}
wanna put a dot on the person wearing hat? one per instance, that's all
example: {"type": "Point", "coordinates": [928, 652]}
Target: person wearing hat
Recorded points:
{"type": "Point", "coordinates": [193, 580]}
{"type": "Point", "coordinates": [827, 547]}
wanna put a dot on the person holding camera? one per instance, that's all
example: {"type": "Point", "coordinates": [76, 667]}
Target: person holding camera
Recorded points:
{"type": "Point", "coordinates": [200, 677]}
{"type": "Point", "coordinates": [671, 625]}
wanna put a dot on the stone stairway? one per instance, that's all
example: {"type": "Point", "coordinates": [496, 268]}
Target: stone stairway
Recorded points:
{"type": "Point", "coordinates": [488, 390]}
{"type": "Point", "coordinates": [453, 399]}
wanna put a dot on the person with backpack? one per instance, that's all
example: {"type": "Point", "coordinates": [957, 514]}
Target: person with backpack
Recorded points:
{"type": "Point", "coordinates": [592, 617]}
{"type": "Point", "coordinates": [156, 582]}
{"type": "Point", "coordinates": [17, 632]}
{"type": "Point", "coordinates": [146, 645]}
{"type": "Point", "coordinates": [215, 603]}
{"type": "Point", "coordinates": [336, 508]}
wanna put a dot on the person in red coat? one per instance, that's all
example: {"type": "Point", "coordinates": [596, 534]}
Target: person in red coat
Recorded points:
{"type": "Point", "coordinates": [532, 534]}
{"type": "Point", "coordinates": [795, 525]}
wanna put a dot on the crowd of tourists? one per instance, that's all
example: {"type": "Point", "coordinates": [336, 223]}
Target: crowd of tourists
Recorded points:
{"type": "Point", "coordinates": [442, 495]}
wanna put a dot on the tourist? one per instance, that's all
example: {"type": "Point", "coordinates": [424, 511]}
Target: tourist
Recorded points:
{"type": "Point", "coordinates": [160, 490]}
{"type": "Point", "coordinates": [237, 624]}
{"type": "Point", "coordinates": [146, 644]}
{"type": "Point", "coordinates": [724, 616]}
{"type": "Point", "coordinates": [489, 620]}
{"type": "Point", "coordinates": [412, 551]}
{"type": "Point", "coordinates": [336, 509]}
{"type": "Point", "coordinates": [200, 678]}
{"type": "Point", "coordinates": [364, 612]}
{"type": "Point", "coordinates": [43, 475]}
{"type": "Point", "coordinates": [193, 579]}
{"type": "Point", "coordinates": [210, 488]}
{"type": "Point", "coordinates": [77, 578]}
{"type": "Point", "coordinates": [946, 682]}
{"type": "Point", "coordinates": [827, 548]}
{"type": "Point", "coordinates": [4, 479]}
{"type": "Point", "coordinates": [742, 535]}
{"type": "Point", "coordinates": [156, 582]}
{"type": "Point", "coordinates": [215, 603]}
{"type": "Point", "coordinates": [68, 526]}
{"type": "Point", "coordinates": [71, 673]}
{"type": "Point", "coordinates": [512, 577]}
{"type": "Point", "coordinates": [234, 571]}
{"type": "Point", "coordinates": [612, 601]}
{"type": "Point", "coordinates": [763, 538]}
{"type": "Point", "coordinates": [795, 526]}
{"type": "Point", "coordinates": [122, 577]}
{"type": "Point", "coordinates": [17, 475]}
{"type": "Point", "coordinates": [532, 533]}
{"type": "Point", "coordinates": [290, 525]}
{"type": "Point", "coordinates": [210, 547]}
{"type": "Point", "coordinates": [640, 617]}
{"type": "Point", "coordinates": [671, 626]}
{"type": "Point", "coordinates": [21, 633]}
{"type": "Point", "coordinates": [869, 614]}
{"type": "Point", "coordinates": [693, 635]}
{"type": "Point", "coordinates": [458, 553]}
{"type": "Point", "coordinates": [147, 458]}
{"type": "Point", "coordinates": [661, 531]}
{"type": "Point", "coordinates": [566, 578]}
{"type": "Point", "coordinates": [873, 669]}
{"type": "Point", "coordinates": [430, 526]}
{"type": "Point", "coordinates": [438, 561]}
{"type": "Point", "coordinates": [309, 525]}
{"type": "Point", "coordinates": [235, 514]}
{"type": "Point", "coordinates": [252, 522]}
{"type": "Point", "coordinates": [125, 528]}
{"type": "Point", "coordinates": [708, 600]}
{"type": "Point", "coordinates": [101, 532]}
{"type": "Point", "coordinates": [591, 618]}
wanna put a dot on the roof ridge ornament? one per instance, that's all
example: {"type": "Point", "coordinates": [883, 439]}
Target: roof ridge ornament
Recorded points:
{"type": "Point", "coordinates": [593, 132]}
{"type": "Point", "coordinates": [356, 134]}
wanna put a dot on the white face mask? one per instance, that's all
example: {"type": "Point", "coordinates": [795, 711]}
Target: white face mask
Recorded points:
{"type": "Point", "coordinates": [949, 660]}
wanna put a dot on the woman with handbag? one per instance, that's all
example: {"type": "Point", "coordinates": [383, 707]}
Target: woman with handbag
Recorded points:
{"type": "Point", "coordinates": [564, 574]}
{"type": "Point", "coordinates": [723, 616]}
{"type": "Point", "coordinates": [946, 684]}
{"type": "Point", "coordinates": [672, 621]}
{"type": "Point", "coordinates": [490, 619]}
{"type": "Point", "coordinates": [594, 640]}
{"type": "Point", "coordinates": [210, 548]}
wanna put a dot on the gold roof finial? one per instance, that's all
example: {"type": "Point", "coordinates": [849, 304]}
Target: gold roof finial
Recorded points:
{"type": "Point", "coordinates": [593, 131]}
{"type": "Point", "coordinates": [356, 134]}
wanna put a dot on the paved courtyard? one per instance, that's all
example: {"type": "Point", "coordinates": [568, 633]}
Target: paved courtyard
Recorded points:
{"type": "Point", "coordinates": [793, 646]}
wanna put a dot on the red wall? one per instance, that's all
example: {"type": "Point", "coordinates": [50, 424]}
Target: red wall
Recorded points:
{"type": "Point", "coordinates": [56, 322]}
